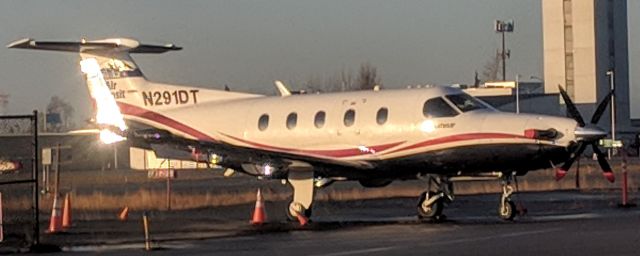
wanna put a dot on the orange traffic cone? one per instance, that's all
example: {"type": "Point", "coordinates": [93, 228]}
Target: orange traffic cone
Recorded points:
{"type": "Point", "coordinates": [55, 223]}
{"type": "Point", "coordinates": [66, 212]}
{"type": "Point", "coordinates": [258, 213]}
{"type": "Point", "coordinates": [302, 219]}
{"type": "Point", "coordinates": [124, 214]}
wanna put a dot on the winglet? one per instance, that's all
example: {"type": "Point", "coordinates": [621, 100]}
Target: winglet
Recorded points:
{"type": "Point", "coordinates": [19, 43]}
{"type": "Point", "coordinates": [284, 92]}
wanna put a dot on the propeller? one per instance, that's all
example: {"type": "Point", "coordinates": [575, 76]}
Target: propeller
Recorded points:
{"type": "Point", "coordinates": [589, 134]}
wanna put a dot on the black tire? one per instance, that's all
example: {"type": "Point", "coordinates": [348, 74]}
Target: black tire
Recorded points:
{"type": "Point", "coordinates": [509, 211]}
{"type": "Point", "coordinates": [433, 212]}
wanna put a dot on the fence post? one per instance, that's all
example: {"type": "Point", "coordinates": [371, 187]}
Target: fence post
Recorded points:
{"type": "Point", "coordinates": [35, 163]}
{"type": "Point", "coordinates": [145, 222]}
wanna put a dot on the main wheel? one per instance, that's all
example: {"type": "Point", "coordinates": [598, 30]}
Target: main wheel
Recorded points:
{"type": "Point", "coordinates": [507, 211]}
{"type": "Point", "coordinates": [295, 208]}
{"type": "Point", "coordinates": [432, 211]}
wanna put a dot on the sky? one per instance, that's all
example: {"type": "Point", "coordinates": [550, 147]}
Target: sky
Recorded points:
{"type": "Point", "coordinates": [249, 44]}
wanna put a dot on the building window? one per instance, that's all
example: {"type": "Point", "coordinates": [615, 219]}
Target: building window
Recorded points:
{"type": "Point", "coordinates": [263, 122]}
{"type": "Point", "coordinates": [349, 117]}
{"type": "Point", "coordinates": [437, 107]}
{"type": "Point", "coordinates": [382, 115]}
{"type": "Point", "coordinates": [318, 121]}
{"type": "Point", "coordinates": [292, 120]}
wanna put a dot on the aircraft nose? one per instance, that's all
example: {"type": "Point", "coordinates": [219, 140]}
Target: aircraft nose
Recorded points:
{"type": "Point", "coordinates": [589, 133]}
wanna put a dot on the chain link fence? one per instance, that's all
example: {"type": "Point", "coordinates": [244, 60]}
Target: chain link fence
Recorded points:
{"type": "Point", "coordinates": [18, 181]}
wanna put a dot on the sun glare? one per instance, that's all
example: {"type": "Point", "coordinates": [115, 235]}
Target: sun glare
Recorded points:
{"type": "Point", "coordinates": [428, 126]}
{"type": "Point", "coordinates": [107, 112]}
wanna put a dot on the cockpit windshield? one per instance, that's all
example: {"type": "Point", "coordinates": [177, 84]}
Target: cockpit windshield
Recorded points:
{"type": "Point", "coordinates": [464, 102]}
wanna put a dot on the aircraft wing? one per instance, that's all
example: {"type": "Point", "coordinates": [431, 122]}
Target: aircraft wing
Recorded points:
{"type": "Point", "coordinates": [167, 145]}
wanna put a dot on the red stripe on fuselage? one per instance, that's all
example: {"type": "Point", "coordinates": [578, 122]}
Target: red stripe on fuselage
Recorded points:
{"type": "Point", "coordinates": [132, 110]}
{"type": "Point", "coordinates": [128, 109]}
{"type": "Point", "coordinates": [459, 137]}
{"type": "Point", "coordinates": [323, 152]}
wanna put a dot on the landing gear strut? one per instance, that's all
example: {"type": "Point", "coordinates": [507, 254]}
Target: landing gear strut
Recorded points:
{"type": "Point", "coordinates": [431, 202]}
{"type": "Point", "coordinates": [507, 209]}
{"type": "Point", "coordinates": [301, 181]}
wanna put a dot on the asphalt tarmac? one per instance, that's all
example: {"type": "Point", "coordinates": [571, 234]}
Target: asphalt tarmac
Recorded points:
{"type": "Point", "coordinates": [556, 223]}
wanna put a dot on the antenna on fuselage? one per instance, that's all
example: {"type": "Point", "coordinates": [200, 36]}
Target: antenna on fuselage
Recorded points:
{"type": "Point", "coordinates": [284, 92]}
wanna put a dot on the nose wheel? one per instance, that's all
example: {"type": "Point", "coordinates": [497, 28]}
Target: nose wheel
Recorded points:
{"type": "Point", "coordinates": [507, 208]}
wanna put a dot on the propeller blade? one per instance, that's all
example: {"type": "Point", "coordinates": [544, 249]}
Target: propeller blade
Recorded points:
{"type": "Point", "coordinates": [571, 108]}
{"type": "Point", "coordinates": [562, 171]}
{"type": "Point", "coordinates": [602, 161]}
{"type": "Point", "coordinates": [601, 107]}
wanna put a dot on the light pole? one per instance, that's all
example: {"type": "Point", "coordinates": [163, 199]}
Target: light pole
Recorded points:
{"type": "Point", "coordinates": [518, 94]}
{"type": "Point", "coordinates": [504, 27]}
{"type": "Point", "coordinates": [611, 76]}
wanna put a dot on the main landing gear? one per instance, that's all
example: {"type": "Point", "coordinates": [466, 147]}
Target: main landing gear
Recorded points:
{"type": "Point", "coordinates": [440, 192]}
{"type": "Point", "coordinates": [301, 181]}
{"type": "Point", "coordinates": [432, 201]}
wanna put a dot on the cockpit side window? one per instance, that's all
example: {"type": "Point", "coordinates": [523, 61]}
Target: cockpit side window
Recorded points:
{"type": "Point", "coordinates": [437, 107]}
{"type": "Point", "coordinates": [464, 102]}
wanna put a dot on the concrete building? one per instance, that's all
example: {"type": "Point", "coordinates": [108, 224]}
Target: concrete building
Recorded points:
{"type": "Point", "coordinates": [582, 40]}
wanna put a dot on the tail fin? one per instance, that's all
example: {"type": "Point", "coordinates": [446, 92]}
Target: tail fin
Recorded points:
{"type": "Point", "coordinates": [123, 77]}
{"type": "Point", "coordinates": [120, 90]}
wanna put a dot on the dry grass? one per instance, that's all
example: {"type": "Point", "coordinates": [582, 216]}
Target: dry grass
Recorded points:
{"type": "Point", "coordinates": [149, 199]}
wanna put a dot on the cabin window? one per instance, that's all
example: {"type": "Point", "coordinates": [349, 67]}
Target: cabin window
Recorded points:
{"type": "Point", "coordinates": [465, 102]}
{"type": "Point", "coordinates": [382, 115]}
{"type": "Point", "coordinates": [292, 120]}
{"type": "Point", "coordinates": [437, 107]}
{"type": "Point", "coordinates": [318, 121]}
{"type": "Point", "coordinates": [263, 122]}
{"type": "Point", "coordinates": [349, 117]}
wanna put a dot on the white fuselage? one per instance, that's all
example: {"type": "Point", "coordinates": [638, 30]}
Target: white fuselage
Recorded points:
{"type": "Point", "coordinates": [403, 133]}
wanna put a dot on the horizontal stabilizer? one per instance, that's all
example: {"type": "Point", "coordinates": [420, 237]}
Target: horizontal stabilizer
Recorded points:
{"type": "Point", "coordinates": [111, 44]}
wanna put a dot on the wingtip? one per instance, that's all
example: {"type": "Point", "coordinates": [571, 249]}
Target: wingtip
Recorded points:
{"type": "Point", "coordinates": [19, 42]}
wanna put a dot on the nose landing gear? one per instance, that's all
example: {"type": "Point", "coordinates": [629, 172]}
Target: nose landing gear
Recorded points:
{"type": "Point", "coordinates": [507, 209]}
{"type": "Point", "coordinates": [440, 192]}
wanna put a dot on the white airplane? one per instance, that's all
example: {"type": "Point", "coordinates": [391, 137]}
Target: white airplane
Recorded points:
{"type": "Point", "coordinates": [439, 134]}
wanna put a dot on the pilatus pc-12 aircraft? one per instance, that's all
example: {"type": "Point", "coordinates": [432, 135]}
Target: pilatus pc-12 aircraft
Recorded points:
{"type": "Point", "coordinates": [439, 134]}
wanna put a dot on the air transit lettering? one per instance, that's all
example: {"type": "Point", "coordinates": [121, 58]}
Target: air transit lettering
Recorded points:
{"type": "Point", "coordinates": [445, 125]}
{"type": "Point", "coordinates": [177, 97]}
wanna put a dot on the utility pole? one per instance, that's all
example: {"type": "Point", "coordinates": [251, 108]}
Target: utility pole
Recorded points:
{"type": "Point", "coordinates": [504, 27]}
{"type": "Point", "coordinates": [518, 94]}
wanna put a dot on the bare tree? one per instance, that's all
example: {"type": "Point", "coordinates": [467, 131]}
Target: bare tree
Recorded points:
{"type": "Point", "coordinates": [367, 77]}
{"type": "Point", "coordinates": [60, 107]}
{"type": "Point", "coordinates": [492, 68]}
{"type": "Point", "coordinates": [346, 80]}
{"type": "Point", "coordinates": [315, 84]}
